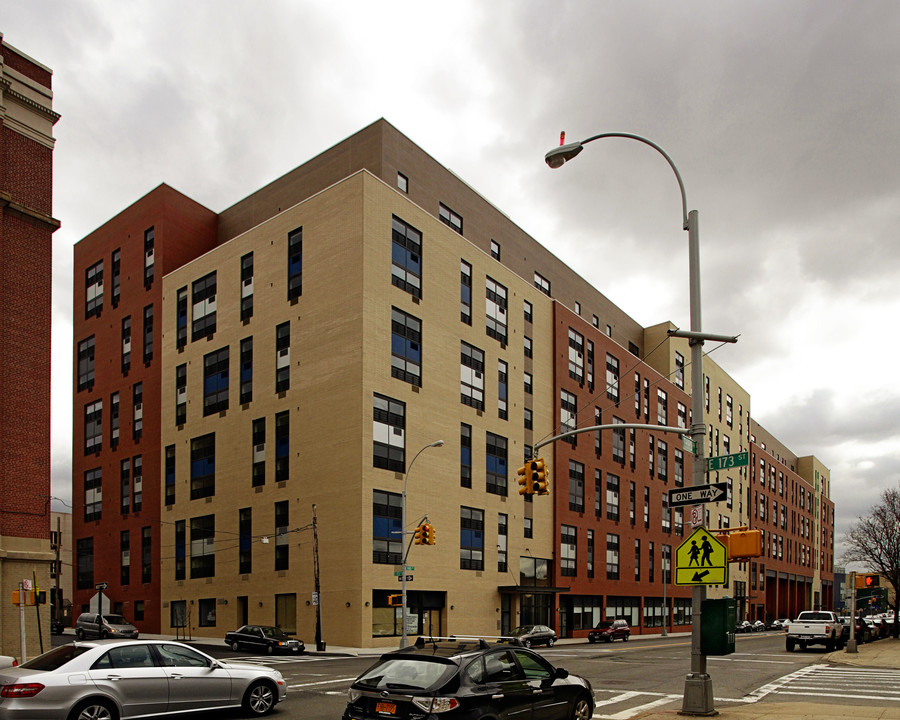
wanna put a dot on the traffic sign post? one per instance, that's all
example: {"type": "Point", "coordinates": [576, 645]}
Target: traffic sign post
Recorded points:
{"type": "Point", "coordinates": [726, 462]}
{"type": "Point", "coordinates": [701, 560]}
{"type": "Point", "coordinates": [698, 494]}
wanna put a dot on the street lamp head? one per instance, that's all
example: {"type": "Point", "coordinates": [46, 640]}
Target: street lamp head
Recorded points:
{"type": "Point", "coordinates": [559, 155]}
{"type": "Point", "coordinates": [437, 443]}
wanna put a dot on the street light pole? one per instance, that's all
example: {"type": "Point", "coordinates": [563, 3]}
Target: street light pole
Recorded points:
{"type": "Point", "coordinates": [436, 443]}
{"type": "Point", "coordinates": [698, 693]}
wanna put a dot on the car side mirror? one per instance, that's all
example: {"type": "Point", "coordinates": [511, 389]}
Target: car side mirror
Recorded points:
{"type": "Point", "coordinates": [562, 673]}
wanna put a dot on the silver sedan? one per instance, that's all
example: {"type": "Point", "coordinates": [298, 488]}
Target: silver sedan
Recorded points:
{"type": "Point", "coordinates": [119, 679]}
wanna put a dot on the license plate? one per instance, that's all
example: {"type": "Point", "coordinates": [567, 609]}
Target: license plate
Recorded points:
{"type": "Point", "coordinates": [386, 707]}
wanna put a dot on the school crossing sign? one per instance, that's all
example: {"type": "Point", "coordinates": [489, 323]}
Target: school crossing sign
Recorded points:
{"type": "Point", "coordinates": [701, 560]}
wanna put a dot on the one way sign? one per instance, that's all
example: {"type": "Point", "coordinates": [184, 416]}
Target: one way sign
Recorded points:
{"type": "Point", "coordinates": [698, 494]}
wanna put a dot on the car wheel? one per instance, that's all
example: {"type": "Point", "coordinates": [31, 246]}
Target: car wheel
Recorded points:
{"type": "Point", "coordinates": [235, 646]}
{"type": "Point", "coordinates": [591, 640]}
{"type": "Point", "coordinates": [608, 638]}
{"type": "Point", "coordinates": [550, 642]}
{"type": "Point", "coordinates": [582, 708]}
{"type": "Point", "coordinates": [95, 710]}
{"type": "Point", "coordinates": [104, 634]}
{"type": "Point", "coordinates": [789, 645]}
{"type": "Point", "coordinates": [625, 638]}
{"type": "Point", "coordinates": [527, 643]}
{"type": "Point", "coordinates": [270, 649]}
{"type": "Point", "coordinates": [829, 645]}
{"type": "Point", "coordinates": [259, 698]}
{"type": "Point", "coordinates": [79, 633]}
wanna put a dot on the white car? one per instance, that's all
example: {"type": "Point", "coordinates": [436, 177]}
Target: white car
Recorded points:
{"type": "Point", "coordinates": [7, 661]}
{"type": "Point", "coordinates": [120, 679]}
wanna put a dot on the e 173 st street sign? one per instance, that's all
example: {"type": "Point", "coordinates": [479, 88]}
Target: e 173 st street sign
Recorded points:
{"type": "Point", "coordinates": [698, 494]}
{"type": "Point", "coordinates": [726, 462]}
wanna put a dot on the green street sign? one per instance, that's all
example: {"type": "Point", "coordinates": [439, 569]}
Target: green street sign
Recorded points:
{"type": "Point", "coordinates": [726, 462]}
{"type": "Point", "coordinates": [688, 444]}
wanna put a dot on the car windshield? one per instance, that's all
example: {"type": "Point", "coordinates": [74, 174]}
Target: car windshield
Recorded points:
{"type": "Point", "coordinates": [55, 658]}
{"type": "Point", "coordinates": [603, 625]}
{"type": "Point", "coordinates": [399, 673]}
{"type": "Point", "coordinates": [274, 632]}
{"type": "Point", "coordinates": [524, 630]}
{"type": "Point", "coordinates": [115, 620]}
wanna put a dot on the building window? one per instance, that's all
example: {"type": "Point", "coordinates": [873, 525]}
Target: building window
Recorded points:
{"type": "Point", "coordinates": [529, 312]}
{"type": "Point", "coordinates": [679, 468]}
{"type": "Point", "coordinates": [114, 420]}
{"type": "Point", "coordinates": [527, 415]}
{"type": "Point", "coordinates": [618, 449]}
{"type": "Point", "coordinates": [471, 384]}
{"type": "Point", "coordinates": [84, 563]}
{"type": "Point", "coordinates": [203, 466]}
{"type": "Point", "coordinates": [406, 257]}
{"type": "Point", "coordinates": [245, 541]}
{"type": "Point", "coordinates": [116, 277]}
{"type": "Point", "coordinates": [682, 415]}
{"type": "Point", "coordinates": [93, 494]}
{"type": "Point", "coordinates": [495, 310]}
{"type": "Point", "coordinates": [568, 409]}
{"type": "Point", "coordinates": [662, 460]}
{"type": "Point", "coordinates": [215, 381]}
{"type": "Point", "coordinates": [576, 356]}
{"type": "Point", "coordinates": [387, 533]}
{"type": "Point", "coordinates": [502, 390]}
{"type": "Point", "coordinates": [528, 382]}
{"type": "Point", "coordinates": [203, 546]}
{"type": "Point", "coordinates": [528, 528]}
{"type": "Point", "coordinates": [632, 503]}
{"type": "Point", "coordinates": [542, 283]}
{"type": "Point", "coordinates": [180, 549]}
{"type": "Point", "coordinates": [612, 497]}
{"type": "Point", "coordinates": [125, 484]}
{"type": "Point", "coordinates": [247, 287]}
{"type": "Point", "coordinates": [612, 557]}
{"type": "Point", "coordinates": [402, 183]}
{"type": "Point", "coordinates": [282, 357]}
{"type": "Point", "coordinates": [612, 378]}
{"type": "Point", "coordinates": [496, 464]}
{"type": "Point", "coordinates": [577, 308]}
{"type": "Point", "coordinates": [181, 318]}
{"type": "Point", "coordinates": [567, 545]}
{"type": "Point", "coordinates": [137, 420]}
{"type": "Point", "coordinates": [148, 257]}
{"type": "Point", "coordinates": [203, 312]}
{"type": "Point", "coordinates": [86, 364]}
{"type": "Point", "coordinates": [258, 442]}
{"type": "Point", "coordinates": [146, 556]}
{"type": "Point", "coordinates": [576, 486]}
{"type": "Point", "coordinates": [406, 347]}
{"type": "Point", "coordinates": [679, 370]}
{"type": "Point", "coordinates": [590, 553]}
{"type": "Point", "coordinates": [124, 557]}
{"type": "Point", "coordinates": [729, 410]}
{"type": "Point", "coordinates": [502, 544]}
{"type": "Point", "coordinates": [282, 547]}
{"type": "Point", "coordinates": [495, 250]}
{"type": "Point", "coordinates": [465, 292]}
{"type": "Point", "coordinates": [646, 508]}
{"type": "Point", "coordinates": [93, 427]}
{"type": "Point", "coordinates": [181, 394]}
{"type": "Point", "coordinates": [662, 407]}
{"type": "Point", "coordinates": [137, 480]}
{"type": "Point", "coordinates": [282, 446]}
{"type": "Point", "coordinates": [126, 344]}
{"type": "Point", "coordinates": [93, 293]}
{"type": "Point", "coordinates": [471, 538]}
{"type": "Point", "coordinates": [389, 433]}
{"type": "Point", "coordinates": [295, 264]}
{"type": "Point", "coordinates": [528, 347]}
{"type": "Point", "coordinates": [246, 370]}
{"type": "Point", "coordinates": [450, 218]}
{"type": "Point", "coordinates": [598, 493]}
{"type": "Point", "coordinates": [169, 470]}
{"type": "Point", "coordinates": [465, 455]}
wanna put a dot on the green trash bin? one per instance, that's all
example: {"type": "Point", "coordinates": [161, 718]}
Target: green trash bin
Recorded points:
{"type": "Point", "coordinates": [717, 621]}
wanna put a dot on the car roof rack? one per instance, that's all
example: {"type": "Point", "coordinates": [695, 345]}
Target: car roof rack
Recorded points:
{"type": "Point", "coordinates": [463, 640]}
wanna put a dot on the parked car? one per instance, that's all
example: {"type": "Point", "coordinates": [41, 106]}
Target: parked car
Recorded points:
{"type": "Point", "coordinates": [471, 678]}
{"type": "Point", "coordinates": [529, 635]}
{"type": "Point", "coordinates": [861, 632]}
{"type": "Point", "coordinates": [8, 661]}
{"type": "Point", "coordinates": [91, 626]}
{"type": "Point", "coordinates": [56, 626]}
{"type": "Point", "coordinates": [609, 630]}
{"type": "Point", "coordinates": [264, 638]}
{"type": "Point", "coordinates": [743, 626]}
{"type": "Point", "coordinates": [778, 624]}
{"type": "Point", "coordinates": [134, 678]}
{"type": "Point", "coordinates": [757, 626]}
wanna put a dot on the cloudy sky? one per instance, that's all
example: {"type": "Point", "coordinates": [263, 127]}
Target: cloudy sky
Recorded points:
{"type": "Point", "coordinates": [782, 117]}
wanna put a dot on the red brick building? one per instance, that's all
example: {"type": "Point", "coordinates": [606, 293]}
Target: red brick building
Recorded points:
{"type": "Point", "coordinates": [26, 230]}
{"type": "Point", "coordinates": [116, 424]}
{"type": "Point", "coordinates": [614, 533]}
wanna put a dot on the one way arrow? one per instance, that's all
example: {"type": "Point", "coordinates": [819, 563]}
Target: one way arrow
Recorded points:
{"type": "Point", "coordinates": [698, 576]}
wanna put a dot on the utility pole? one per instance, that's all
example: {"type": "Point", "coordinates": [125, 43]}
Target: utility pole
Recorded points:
{"type": "Point", "coordinates": [320, 646]}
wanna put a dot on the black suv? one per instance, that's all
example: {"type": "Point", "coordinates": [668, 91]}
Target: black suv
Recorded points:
{"type": "Point", "coordinates": [473, 678]}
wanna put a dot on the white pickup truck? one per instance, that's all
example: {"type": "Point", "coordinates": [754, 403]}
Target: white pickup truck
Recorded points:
{"type": "Point", "coordinates": [814, 627]}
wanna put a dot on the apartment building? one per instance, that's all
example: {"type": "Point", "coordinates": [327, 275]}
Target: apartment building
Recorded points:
{"type": "Point", "coordinates": [307, 348]}
{"type": "Point", "coordinates": [26, 230]}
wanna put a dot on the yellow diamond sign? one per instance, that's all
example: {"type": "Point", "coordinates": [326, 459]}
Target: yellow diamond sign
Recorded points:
{"type": "Point", "coordinates": [701, 560]}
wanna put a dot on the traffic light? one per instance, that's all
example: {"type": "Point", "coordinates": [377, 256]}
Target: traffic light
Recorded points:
{"type": "Point", "coordinates": [428, 533]}
{"type": "Point", "coordinates": [395, 600]}
{"type": "Point", "coordinates": [526, 484]}
{"type": "Point", "coordinates": [872, 581]}
{"type": "Point", "coordinates": [419, 535]}
{"type": "Point", "coordinates": [539, 482]}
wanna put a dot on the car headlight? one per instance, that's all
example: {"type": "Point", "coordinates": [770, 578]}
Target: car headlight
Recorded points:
{"type": "Point", "coordinates": [353, 695]}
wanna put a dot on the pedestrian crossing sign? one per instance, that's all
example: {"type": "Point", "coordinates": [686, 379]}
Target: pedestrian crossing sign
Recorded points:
{"type": "Point", "coordinates": [701, 560]}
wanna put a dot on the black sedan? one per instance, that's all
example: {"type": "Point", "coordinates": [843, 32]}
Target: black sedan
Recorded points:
{"type": "Point", "coordinates": [264, 638]}
{"type": "Point", "coordinates": [529, 635]}
{"type": "Point", "coordinates": [471, 678]}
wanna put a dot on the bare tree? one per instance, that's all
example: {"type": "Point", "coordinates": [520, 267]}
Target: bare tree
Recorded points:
{"type": "Point", "coordinates": [875, 541]}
